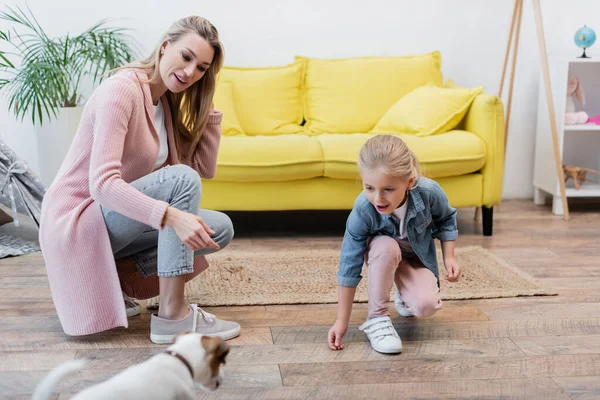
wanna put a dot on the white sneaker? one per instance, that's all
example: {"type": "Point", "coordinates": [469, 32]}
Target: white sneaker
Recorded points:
{"type": "Point", "coordinates": [382, 335]}
{"type": "Point", "coordinates": [131, 307]}
{"type": "Point", "coordinates": [401, 307]}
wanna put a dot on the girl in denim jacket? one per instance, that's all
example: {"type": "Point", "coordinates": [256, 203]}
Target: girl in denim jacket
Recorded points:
{"type": "Point", "coordinates": [392, 227]}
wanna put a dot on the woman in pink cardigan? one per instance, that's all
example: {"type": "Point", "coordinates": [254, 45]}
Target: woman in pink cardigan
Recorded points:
{"type": "Point", "coordinates": [122, 218]}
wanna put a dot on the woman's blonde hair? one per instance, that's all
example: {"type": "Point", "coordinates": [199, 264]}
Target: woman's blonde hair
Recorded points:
{"type": "Point", "coordinates": [190, 109]}
{"type": "Point", "coordinates": [392, 155]}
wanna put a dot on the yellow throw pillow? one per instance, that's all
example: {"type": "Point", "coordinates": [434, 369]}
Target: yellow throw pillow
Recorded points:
{"type": "Point", "coordinates": [268, 100]}
{"type": "Point", "coordinates": [428, 110]}
{"type": "Point", "coordinates": [349, 95]}
{"type": "Point", "coordinates": [449, 83]}
{"type": "Point", "coordinates": [230, 126]}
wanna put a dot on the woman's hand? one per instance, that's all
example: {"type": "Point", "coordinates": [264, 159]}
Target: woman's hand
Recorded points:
{"type": "Point", "coordinates": [191, 229]}
{"type": "Point", "coordinates": [335, 335]}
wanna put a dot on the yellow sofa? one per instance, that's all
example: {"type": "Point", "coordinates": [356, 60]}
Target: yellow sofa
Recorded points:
{"type": "Point", "coordinates": [292, 133]}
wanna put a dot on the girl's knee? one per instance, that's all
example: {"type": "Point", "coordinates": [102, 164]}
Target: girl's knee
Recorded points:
{"type": "Point", "coordinates": [426, 306]}
{"type": "Point", "coordinates": [384, 250]}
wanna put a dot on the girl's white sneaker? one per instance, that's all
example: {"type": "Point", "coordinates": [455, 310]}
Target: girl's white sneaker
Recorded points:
{"type": "Point", "coordinates": [382, 335]}
{"type": "Point", "coordinates": [400, 306]}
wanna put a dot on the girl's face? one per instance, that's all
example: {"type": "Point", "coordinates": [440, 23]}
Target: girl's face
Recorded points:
{"type": "Point", "coordinates": [385, 192]}
{"type": "Point", "coordinates": [185, 61]}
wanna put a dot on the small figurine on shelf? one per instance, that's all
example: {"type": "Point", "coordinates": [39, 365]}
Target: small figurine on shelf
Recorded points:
{"type": "Point", "coordinates": [578, 174]}
{"type": "Point", "coordinates": [594, 120]}
{"type": "Point", "coordinates": [575, 90]}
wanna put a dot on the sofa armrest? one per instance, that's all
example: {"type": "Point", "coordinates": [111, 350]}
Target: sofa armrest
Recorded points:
{"type": "Point", "coordinates": [485, 118]}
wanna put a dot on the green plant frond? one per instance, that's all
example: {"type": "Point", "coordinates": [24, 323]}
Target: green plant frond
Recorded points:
{"type": "Point", "coordinates": [51, 70]}
{"type": "Point", "coordinates": [5, 62]}
{"type": "Point", "coordinates": [19, 16]}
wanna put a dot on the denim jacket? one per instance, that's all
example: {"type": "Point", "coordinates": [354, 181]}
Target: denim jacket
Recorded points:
{"type": "Point", "coordinates": [429, 216]}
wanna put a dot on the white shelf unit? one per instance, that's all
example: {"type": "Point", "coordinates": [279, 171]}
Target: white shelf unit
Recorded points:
{"type": "Point", "coordinates": [578, 144]}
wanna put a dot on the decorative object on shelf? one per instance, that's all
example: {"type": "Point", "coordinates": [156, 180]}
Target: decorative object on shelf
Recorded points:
{"type": "Point", "coordinates": [595, 119]}
{"type": "Point", "coordinates": [575, 91]}
{"type": "Point", "coordinates": [578, 174]}
{"type": "Point", "coordinates": [585, 38]}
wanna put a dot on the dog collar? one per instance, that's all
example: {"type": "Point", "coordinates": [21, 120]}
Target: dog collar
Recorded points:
{"type": "Point", "coordinates": [183, 360]}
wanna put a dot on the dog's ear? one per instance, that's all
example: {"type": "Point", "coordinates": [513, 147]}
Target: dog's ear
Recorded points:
{"type": "Point", "coordinates": [213, 345]}
{"type": "Point", "coordinates": [216, 350]}
{"type": "Point", "coordinates": [222, 352]}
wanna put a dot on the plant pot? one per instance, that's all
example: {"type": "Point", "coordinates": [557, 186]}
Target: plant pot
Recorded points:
{"type": "Point", "coordinates": [54, 138]}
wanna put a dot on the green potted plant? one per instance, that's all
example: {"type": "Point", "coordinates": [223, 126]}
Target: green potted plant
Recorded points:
{"type": "Point", "coordinates": [44, 77]}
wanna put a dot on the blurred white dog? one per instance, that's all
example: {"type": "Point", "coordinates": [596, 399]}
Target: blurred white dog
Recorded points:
{"type": "Point", "coordinates": [192, 361]}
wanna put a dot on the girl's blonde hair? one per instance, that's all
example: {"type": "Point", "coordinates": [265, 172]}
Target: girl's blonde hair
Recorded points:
{"type": "Point", "coordinates": [392, 155]}
{"type": "Point", "coordinates": [190, 109]}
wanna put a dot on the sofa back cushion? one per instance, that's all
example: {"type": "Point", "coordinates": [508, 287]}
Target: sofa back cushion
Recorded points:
{"type": "Point", "coordinates": [230, 125]}
{"type": "Point", "coordinates": [268, 100]}
{"type": "Point", "coordinates": [350, 95]}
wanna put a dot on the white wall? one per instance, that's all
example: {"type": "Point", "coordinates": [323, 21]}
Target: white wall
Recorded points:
{"type": "Point", "coordinates": [471, 35]}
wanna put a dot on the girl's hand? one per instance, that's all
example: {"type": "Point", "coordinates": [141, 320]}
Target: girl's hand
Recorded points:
{"type": "Point", "coordinates": [336, 333]}
{"type": "Point", "coordinates": [191, 229]}
{"type": "Point", "coordinates": [452, 268]}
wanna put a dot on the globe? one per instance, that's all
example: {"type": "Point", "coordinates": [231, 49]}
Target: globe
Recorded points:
{"type": "Point", "coordinates": [585, 38]}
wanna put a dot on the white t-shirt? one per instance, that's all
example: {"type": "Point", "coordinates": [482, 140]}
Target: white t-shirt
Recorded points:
{"type": "Point", "coordinates": [159, 122]}
{"type": "Point", "coordinates": [400, 214]}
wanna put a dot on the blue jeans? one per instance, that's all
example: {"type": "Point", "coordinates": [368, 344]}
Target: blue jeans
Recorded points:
{"type": "Point", "coordinates": [163, 253]}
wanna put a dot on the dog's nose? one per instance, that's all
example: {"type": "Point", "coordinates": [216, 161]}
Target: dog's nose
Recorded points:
{"type": "Point", "coordinates": [218, 383]}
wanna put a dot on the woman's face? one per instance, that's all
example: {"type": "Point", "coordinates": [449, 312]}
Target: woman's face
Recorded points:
{"type": "Point", "coordinates": [185, 61]}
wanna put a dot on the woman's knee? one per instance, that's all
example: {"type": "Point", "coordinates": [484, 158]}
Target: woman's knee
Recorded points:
{"type": "Point", "coordinates": [223, 230]}
{"type": "Point", "coordinates": [188, 175]}
{"type": "Point", "coordinates": [384, 250]}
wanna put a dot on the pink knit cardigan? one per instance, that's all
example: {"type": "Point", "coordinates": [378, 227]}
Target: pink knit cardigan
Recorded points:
{"type": "Point", "coordinates": [116, 143]}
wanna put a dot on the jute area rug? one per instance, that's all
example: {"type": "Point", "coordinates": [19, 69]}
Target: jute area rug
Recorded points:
{"type": "Point", "coordinates": [305, 276]}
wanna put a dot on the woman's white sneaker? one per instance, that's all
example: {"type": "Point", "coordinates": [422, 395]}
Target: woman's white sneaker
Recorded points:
{"type": "Point", "coordinates": [382, 335]}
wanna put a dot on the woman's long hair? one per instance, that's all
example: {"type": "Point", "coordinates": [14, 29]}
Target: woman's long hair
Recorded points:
{"type": "Point", "coordinates": [190, 109]}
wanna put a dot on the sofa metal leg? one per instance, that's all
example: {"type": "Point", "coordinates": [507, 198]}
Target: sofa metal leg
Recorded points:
{"type": "Point", "coordinates": [487, 214]}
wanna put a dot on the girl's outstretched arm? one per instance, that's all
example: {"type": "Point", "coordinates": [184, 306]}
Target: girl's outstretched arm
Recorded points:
{"type": "Point", "coordinates": [450, 263]}
{"type": "Point", "coordinates": [338, 330]}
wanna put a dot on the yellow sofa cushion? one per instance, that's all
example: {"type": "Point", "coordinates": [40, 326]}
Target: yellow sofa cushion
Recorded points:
{"type": "Point", "coordinates": [447, 154]}
{"type": "Point", "coordinates": [350, 95]}
{"type": "Point", "coordinates": [428, 110]}
{"type": "Point", "coordinates": [269, 158]}
{"type": "Point", "coordinates": [230, 125]}
{"type": "Point", "coordinates": [268, 101]}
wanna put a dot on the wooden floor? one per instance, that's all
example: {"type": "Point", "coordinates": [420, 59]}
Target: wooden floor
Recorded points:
{"type": "Point", "coordinates": [529, 348]}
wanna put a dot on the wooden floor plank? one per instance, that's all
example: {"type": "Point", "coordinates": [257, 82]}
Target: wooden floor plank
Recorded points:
{"type": "Point", "coordinates": [525, 389]}
{"type": "Point", "coordinates": [320, 353]}
{"type": "Point", "coordinates": [325, 316]}
{"type": "Point", "coordinates": [542, 311]}
{"type": "Point", "coordinates": [441, 370]}
{"type": "Point", "coordinates": [580, 387]}
{"type": "Point", "coordinates": [33, 360]}
{"type": "Point", "coordinates": [555, 345]}
{"type": "Point", "coordinates": [456, 330]}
